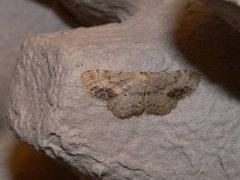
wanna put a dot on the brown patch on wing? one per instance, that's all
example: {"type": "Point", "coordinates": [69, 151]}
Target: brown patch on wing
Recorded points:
{"type": "Point", "coordinates": [180, 92]}
{"type": "Point", "coordinates": [103, 93]}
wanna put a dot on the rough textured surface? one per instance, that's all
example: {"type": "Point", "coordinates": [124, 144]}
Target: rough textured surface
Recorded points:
{"type": "Point", "coordinates": [96, 12]}
{"type": "Point", "coordinates": [49, 109]}
{"type": "Point", "coordinates": [19, 20]}
{"type": "Point", "coordinates": [228, 9]}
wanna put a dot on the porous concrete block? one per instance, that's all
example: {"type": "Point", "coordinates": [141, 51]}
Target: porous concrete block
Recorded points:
{"type": "Point", "coordinates": [50, 109]}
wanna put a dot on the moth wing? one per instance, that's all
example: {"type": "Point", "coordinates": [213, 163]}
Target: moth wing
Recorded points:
{"type": "Point", "coordinates": [177, 84]}
{"type": "Point", "coordinates": [128, 103]}
{"type": "Point", "coordinates": [158, 103]}
{"type": "Point", "coordinates": [106, 84]}
{"type": "Point", "coordinates": [166, 88]}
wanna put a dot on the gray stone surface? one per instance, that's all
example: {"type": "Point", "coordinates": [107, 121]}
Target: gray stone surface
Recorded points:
{"type": "Point", "coordinates": [19, 20]}
{"type": "Point", "coordinates": [50, 109]}
{"type": "Point", "coordinates": [96, 12]}
{"type": "Point", "coordinates": [228, 9]}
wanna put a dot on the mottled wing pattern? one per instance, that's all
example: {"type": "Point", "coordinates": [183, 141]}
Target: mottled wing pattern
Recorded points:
{"type": "Point", "coordinates": [157, 102]}
{"type": "Point", "coordinates": [131, 93]}
{"type": "Point", "coordinates": [166, 88]}
{"type": "Point", "coordinates": [128, 103]}
{"type": "Point", "coordinates": [176, 84]}
{"type": "Point", "coordinates": [106, 84]}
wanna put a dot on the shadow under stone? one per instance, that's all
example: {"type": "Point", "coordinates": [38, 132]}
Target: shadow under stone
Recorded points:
{"type": "Point", "coordinates": [29, 164]}
{"type": "Point", "coordinates": [210, 44]}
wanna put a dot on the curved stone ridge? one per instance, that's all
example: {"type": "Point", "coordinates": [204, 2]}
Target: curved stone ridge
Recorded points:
{"type": "Point", "coordinates": [95, 12]}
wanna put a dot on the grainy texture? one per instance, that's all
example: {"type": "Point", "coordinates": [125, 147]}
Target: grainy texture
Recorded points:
{"type": "Point", "coordinates": [18, 21]}
{"type": "Point", "coordinates": [50, 109]}
{"type": "Point", "coordinates": [130, 93]}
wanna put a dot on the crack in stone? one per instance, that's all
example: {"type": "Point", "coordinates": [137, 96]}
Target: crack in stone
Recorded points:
{"type": "Point", "coordinates": [130, 169]}
{"type": "Point", "coordinates": [222, 166]}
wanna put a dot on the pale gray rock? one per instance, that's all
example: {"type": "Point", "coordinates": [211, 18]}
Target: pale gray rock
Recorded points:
{"type": "Point", "coordinates": [228, 9]}
{"type": "Point", "coordinates": [50, 109]}
{"type": "Point", "coordinates": [19, 20]}
{"type": "Point", "coordinates": [95, 12]}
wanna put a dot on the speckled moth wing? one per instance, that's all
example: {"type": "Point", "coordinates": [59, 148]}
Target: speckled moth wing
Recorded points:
{"type": "Point", "coordinates": [131, 93]}
{"type": "Point", "coordinates": [105, 84]}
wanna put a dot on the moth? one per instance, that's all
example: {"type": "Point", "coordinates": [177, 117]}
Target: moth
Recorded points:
{"type": "Point", "coordinates": [132, 93]}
